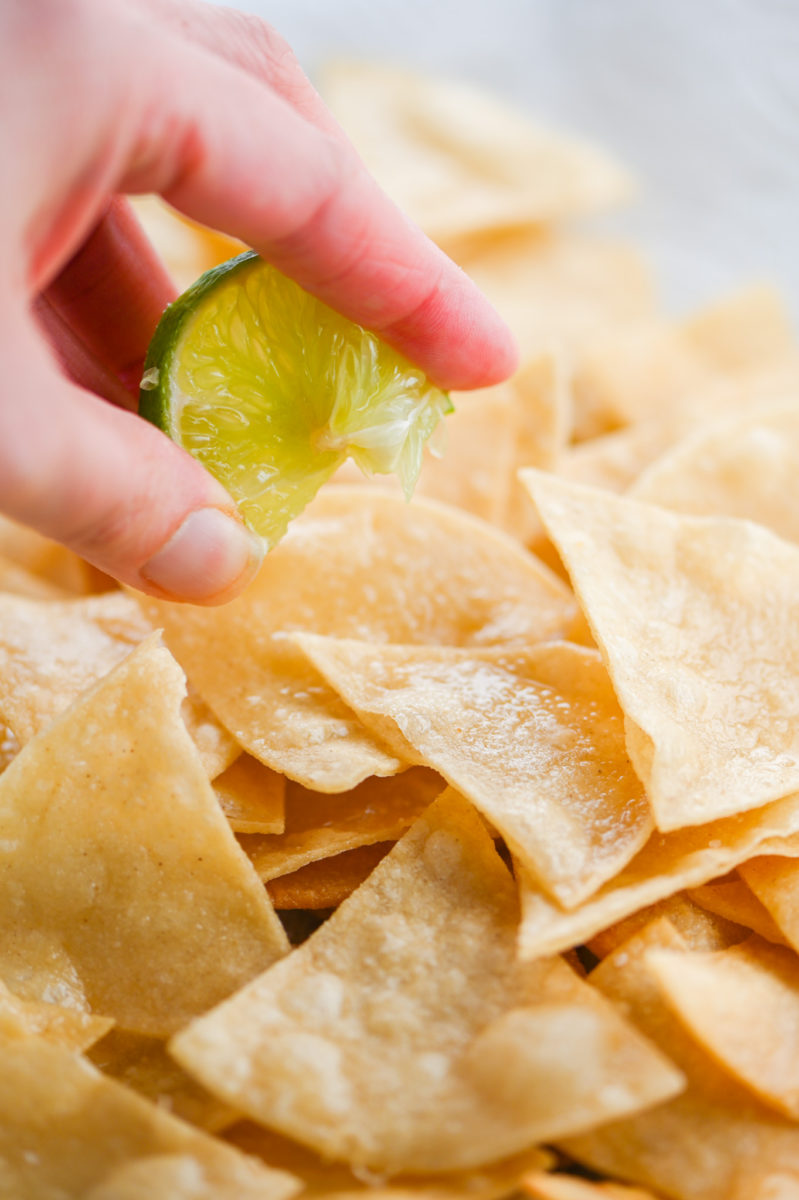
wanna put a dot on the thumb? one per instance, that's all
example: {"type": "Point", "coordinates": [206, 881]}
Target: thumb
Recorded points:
{"type": "Point", "coordinates": [112, 487]}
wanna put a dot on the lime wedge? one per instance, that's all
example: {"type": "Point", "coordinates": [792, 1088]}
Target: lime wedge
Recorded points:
{"type": "Point", "coordinates": [272, 390]}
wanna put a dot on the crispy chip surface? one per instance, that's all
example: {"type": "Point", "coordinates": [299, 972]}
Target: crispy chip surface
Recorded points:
{"type": "Point", "coordinates": [319, 825]}
{"type": "Point", "coordinates": [742, 1005]}
{"type": "Point", "coordinates": [359, 563]}
{"type": "Point", "coordinates": [403, 1036]}
{"type": "Point", "coordinates": [252, 796]}
{"type": "Point", "coordinates": [534, 740]}
{"type": "Point", "coordinates": [64, 1128]}
{"type": "Point", "coordinates": [682, 609]}
{"type": "Point", "coordinates": [667, 864]}
{"type": "Point", "coordinates": [118, 867]}
{"type": "Point", "coordinates": [715, 1141]}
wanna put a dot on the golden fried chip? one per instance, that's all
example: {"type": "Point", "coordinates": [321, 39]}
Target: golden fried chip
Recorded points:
{"type": "Point", "coordinates": [70, 1027]}
{"type": "Point", "coordinates": [774, 881]}
{"type": "Point", "coordinates": [744, 466]}
{"type": "Point", "coordinates": [252, 797]}
{"type": "Point", "coordinates": [19, 581]}
{"type": "Point", "coordinates": [459, 160]}
{"type": "Point", "coordinates": [730, 898]}
{"type": "Point", "coordinates": [64, 1128]}
{"type": "Point", "coordinates": [742, 1005]}
{"type": "Point", "coordinates": [699, 929]}
{"type": "Point", "coordinates": [319, 825]}
{"type": "Point", "coordinates": [557, 292]}
{"type": "Point", "coordinates": [118, 858]}
{"type": "Point", "coordinates": [684, 609]}
{"type": "Point", "coordinates": [403, 1036]}
{"type": "Point", "coordinates": [48, 560]}
{"type": "Point", "coordinates": [321, 1177]}
{"type": "Point", "coordinates": [546, 1186]}
{"type": "Point", "coordinates": [713, 1142]}
{"type": "Point", "coordinates": [638, 371]}
{"type": "Point", "coordinates": [52, 652]}
{"type": "Point", "coordinates": [143, 1064]}
{"type": "Point", "coordinates": [535, 740]}
{"type": "Point", "coordinates": [361, 563]}
{"type": "Point", "coordinates": [667, 864]}
{"type": "Point", "coordinates": [326, 883]}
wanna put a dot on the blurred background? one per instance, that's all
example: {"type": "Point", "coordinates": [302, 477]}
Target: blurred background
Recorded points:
{"type": "Point", "coordinates": [700, 98]}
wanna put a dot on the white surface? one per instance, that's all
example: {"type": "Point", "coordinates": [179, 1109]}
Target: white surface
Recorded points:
{"type": "Point", "coordinates": [699, 97]}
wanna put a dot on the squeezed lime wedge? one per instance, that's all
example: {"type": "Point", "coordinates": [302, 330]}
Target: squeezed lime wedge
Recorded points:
{"type": "Point", "coordinates": [271, 390]}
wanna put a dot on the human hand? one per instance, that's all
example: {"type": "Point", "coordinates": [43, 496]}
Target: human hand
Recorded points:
{"type": "Point", "coordinates": [209, 108]}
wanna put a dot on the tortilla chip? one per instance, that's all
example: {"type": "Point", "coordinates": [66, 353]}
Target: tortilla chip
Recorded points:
{"type": "Point", "coordinates": [731, 898]}
{"type": "Point", "coordinates": [742, 1006]}
{"type": "Point", "coordinates": [48, 560]}
{"type": "Point", "coordinates": [70, 1027]}
{"type": "Point", "coordinates": [475, 470]}
{"type": "Point", "coordinates": [9, 747]}
{"type": "Point", "coordinates": [402, 1036]}
{"type": "Point", "coordinates": [667, 864]}
{"type": "Point", "coordinates": [713, 1142]}
{"type": "Point", "coordinates": [362, 563]}
{"type": "Point", "coordinates": [546, 1186]}
{"type": "Point", "coordinates": [21, 582]}
{"type": "Point", "coordinates": [319, 825]}
{"type": "Point", "coordinates": [699, 929]}
{"type": "Point", "coordinates": [534, 740]}
{"type": "Point", "coordinates": [557, 292]}
{"type": "Point", "coordinates": [321, 1177]}
{"type": "Point", "coordinates": [52, 652]}
{"type": "Point", "coordinates": [775, 883]}
{"type": "Point", "coordinates": [744, 466]}
{"type": "Point", "coordinates": [459, 160]}
{"type": "Point", "coordinates": [252, 797]}
{"type": "Point", "coordinates": [120, 860]}
{"type": "Point", "coordinates": [64, 1128]}
{"type": "Point", "coordinates": [142, 1063]}
{"type": "Point", "coordinates": [684, 608]}
{"type": "Point", "coordinates": [327, 882]}
{"type": "Point", "coordinates": [637, 372]}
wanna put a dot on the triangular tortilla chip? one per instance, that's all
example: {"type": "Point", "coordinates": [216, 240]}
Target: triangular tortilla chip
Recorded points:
{"type": "Point", "coordinates": [458, 159]}
{"type": "Point", "coordinates": [698, 621]}
{"type": "Point", "coordinates": [319, 825]}
{"type": "Point", "coordinates": [744, 466]}
{"type": "Point", "coordinates": [252, 797]}
{"type": "Point", "coordinates": [115, 854]}
{"type": "Point", "coordinates": [774, 881]}
{"type": "Point", "coordinates": [143, 1064]}
{"type": "Point", "coordinates": [534, 740]}
{"type": "Point", "coordinates": [557, 292]}
{"type": "Point", "coordinates": [51, 652]}
{"type": "Point", "coordinates": [637, 371]}
{"type": "Point", "coordinates": [667, 864]}
{"type": "Point", "coordinates": [742, 1005]}
{"type": "Point", "coordinates": [70, 1027]}
{"type": "Point", "coordinates": [64, 1128]}
{"type": "Point", "coordinates": [404, 1036]}
{"type": "Point", "coordinates": [321, 1177]}
{"type": "Point", "coordinates": [359, 562]}
{"type": "Point", "coordinates": [730, 898]}
{"type": "Point", "coordinates": [19, 581]}
{"type": "Point", "coordinates": [713, 1142]}
{"type": "Point", "coordinates": [328, 882]}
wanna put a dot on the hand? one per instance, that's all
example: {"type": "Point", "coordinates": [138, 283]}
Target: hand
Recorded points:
{"type": "Point", "coordinates": [209, 108]}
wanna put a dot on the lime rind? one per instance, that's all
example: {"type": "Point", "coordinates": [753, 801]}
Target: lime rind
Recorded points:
{"type": "Point", "coordinates": [272, 390]}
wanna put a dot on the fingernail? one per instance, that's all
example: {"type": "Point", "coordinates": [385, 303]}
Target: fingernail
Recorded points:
{"type": "Point", "coordinates": [206, 555]}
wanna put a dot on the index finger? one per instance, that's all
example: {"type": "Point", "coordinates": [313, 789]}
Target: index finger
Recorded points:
{"type": "Point", "coordinates": [231, 153]}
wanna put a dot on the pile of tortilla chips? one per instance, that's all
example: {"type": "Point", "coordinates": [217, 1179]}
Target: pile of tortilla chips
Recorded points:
{"type": "Point", "coordinates": [460, 855]}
